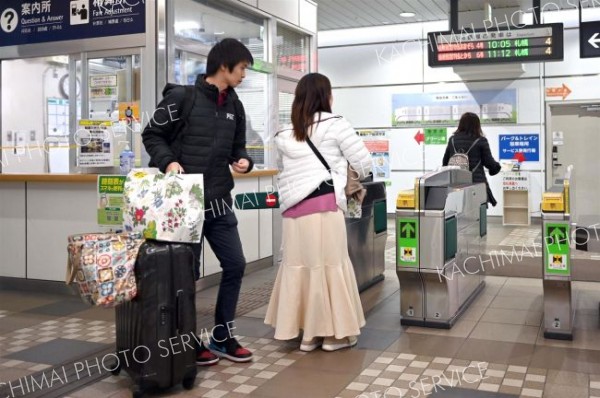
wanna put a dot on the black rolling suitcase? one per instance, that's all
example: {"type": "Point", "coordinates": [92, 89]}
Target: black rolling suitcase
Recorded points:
{"type": "Point", "coordinates": [156, 331]}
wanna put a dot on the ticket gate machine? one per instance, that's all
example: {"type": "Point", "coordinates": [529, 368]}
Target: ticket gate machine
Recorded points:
{"type": "Point", "coordinates": [557, 226]}
{"type": "Point", "coordinates": [439, 230]}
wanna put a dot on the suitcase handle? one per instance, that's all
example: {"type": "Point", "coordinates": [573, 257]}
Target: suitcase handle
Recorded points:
{"type": "Point", "coordinates": [179, 308]}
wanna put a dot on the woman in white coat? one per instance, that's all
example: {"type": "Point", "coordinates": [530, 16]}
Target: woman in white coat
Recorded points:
{"type": "Point", "coordinates": [315, 290]}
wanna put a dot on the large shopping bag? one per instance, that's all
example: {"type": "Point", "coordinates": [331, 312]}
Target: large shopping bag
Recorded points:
{"type": "Point", "coordinates": [167, 207]}
{"type": "Point", "coordinates": [102, 266]}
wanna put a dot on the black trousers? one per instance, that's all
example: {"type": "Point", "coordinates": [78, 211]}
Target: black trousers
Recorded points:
{"type": "Point", "coordinates": [224, 239]}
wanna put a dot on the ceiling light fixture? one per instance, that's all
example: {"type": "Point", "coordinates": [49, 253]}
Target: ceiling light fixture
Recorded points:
{"type": "Point", "coordinates": [407, 14]}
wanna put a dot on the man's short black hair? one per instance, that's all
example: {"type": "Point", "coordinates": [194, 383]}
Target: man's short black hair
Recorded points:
{"type": "Point", "coordinates": [228, 52]}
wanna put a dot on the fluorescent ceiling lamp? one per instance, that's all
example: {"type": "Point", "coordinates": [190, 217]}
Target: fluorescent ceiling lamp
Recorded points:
{"type": "Point", "coordinates": [186, 25]}
{"type": "Point", "coordinates": [219, 33]}
{"type": "Point", "coordinates": [407, 14]}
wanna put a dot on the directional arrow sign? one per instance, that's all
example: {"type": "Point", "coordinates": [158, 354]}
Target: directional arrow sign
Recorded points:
{"type": "Point", "coordinates": [589, 39]}
{"type": "Point", "coordinates": [419, 137]}
{"type": "Point", "coordinates": [557, 250]}
{"type": "Point", "coordinates": [407, 230]}
{"type": "Point", "coordinates": [520, 157]}
{"type": "Point", "coordinates": [594, 40]}
{"type": "Point", "coordinates": [563, 91]}
{"type": "Point", "coordinates": [407, 244]}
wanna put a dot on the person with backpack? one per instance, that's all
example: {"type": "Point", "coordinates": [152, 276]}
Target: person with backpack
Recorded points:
{"type": "Point", "coordinates": [202, 129]}
{"type": "Point", "coordinates": [470, 150]}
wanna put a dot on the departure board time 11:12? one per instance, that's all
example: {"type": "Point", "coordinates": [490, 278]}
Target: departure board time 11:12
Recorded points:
{"type": "Point", "coordinates": [536, 43]}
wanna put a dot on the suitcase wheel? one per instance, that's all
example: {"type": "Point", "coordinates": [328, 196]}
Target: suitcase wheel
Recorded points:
{"type": "Point", "coordinates": [138, 391]}
{"type": "Point", "coordinates": [116, 370]}
{"type": "Point", "coordinates": [188, 382]}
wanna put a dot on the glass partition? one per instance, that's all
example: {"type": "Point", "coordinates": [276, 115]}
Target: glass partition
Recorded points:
{"type": "Point", "coordinates": [205, 22]}
{"type": "Point", "coordinates": [35, 114]}
{"type": "Point", "coordinates": [293, 49]}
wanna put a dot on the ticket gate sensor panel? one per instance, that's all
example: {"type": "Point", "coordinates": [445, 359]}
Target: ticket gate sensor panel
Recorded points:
{"type": "Point", "coordinates": [436, 241]}
{"type": "Point", "coordinates": [557, 225]}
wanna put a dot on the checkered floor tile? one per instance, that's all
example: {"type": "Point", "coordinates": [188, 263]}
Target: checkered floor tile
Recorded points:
{"type": "Point", "coordinates": [401, 374]}
{"type": "Point", "coordinates": [66, 328]}
{"type": "Point", "coordinates": [226, 379]}
{"type": "Point", "coordinates": [522, 237]}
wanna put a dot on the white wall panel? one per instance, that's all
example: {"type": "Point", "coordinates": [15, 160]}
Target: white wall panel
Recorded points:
{"type": "Point", "coordinates": [55, 211]}
{"type": "Point", "coordinates": [308, 15]}
{"type": "Point", "coordinates": [285, 9]}
{"type": "Point", "coordinates": [405, 153]}
{"type": "Point", "coordinates": [379, 34]}
{"type": "Point", "coordinates": [368, 107]}
{"type": "Point", "coordinates": [582, 88]}
{"type": "Point", "coordinates": [572, 64]}
{"type": "Point", "coordinates": [395, 63]}
{"type": "Point", "coordinates": [12, 229]}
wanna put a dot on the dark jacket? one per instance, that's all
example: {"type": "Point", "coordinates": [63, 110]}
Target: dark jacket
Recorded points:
{"type": "Point", "coordinates": [213, 138]}
{"type": "Point", "coordinates": [480, 156]}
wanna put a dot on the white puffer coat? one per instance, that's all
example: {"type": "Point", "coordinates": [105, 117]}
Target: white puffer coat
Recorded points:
{"type": "Point", "coordinates": [301, 171]}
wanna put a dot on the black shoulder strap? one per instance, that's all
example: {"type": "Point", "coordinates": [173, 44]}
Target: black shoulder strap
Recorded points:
{"type": "Point", "coordinates": [186, 108]}
{"type": "Point", "coordinates": [316, 151]}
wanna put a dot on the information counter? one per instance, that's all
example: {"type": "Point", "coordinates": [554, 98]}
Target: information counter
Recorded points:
{"type": "Point", "coordinates": [39, 211]}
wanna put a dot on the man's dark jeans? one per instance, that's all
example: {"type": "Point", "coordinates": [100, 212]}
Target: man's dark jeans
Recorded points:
{"type": "Point", "coordinates": [222, 235]}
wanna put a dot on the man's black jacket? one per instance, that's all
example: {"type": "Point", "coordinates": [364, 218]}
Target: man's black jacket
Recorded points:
{"type": "Point", "coordinates": [213, 137]}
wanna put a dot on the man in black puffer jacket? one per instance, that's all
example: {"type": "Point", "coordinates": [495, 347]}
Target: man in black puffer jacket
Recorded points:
{"type": "Point", "coordinates": [480, 156]}
{"type": "Point", "coordinates": [212, 138]}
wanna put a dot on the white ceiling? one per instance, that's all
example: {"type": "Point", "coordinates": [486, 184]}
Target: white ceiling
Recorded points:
{"type": "Point", "coordinates": [344, 14]}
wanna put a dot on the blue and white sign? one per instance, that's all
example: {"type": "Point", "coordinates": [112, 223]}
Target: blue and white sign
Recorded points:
{"type": "Point", "coordinates": [524, 146]}
{"type": "Point", "coordinates": [42, 21]}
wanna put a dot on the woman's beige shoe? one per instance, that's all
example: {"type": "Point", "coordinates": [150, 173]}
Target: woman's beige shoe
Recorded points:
{"type": "Point", "coordinates": [333, 344]}
{"type": "Point", "coordinates": [311, 345]}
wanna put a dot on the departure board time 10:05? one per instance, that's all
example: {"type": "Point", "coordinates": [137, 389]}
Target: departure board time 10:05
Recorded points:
{"type": "Point", "coordinates": [527, 44]}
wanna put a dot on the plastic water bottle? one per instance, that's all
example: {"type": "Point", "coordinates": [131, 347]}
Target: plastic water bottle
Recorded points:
{"type": "Point", "coordinates": [126, 160]}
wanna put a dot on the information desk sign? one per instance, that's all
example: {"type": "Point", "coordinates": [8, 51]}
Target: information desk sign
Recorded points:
{"type": "Point", "coordinates": [556, 249]}
{"type": "Point", "coordinates": [589, 39]}
{"type": "Point", "coordinates": [408, 242]}
{"type": "Point", "coordinates": [536, 43]}
{"type": "Point", "coordinates": [42, 21]}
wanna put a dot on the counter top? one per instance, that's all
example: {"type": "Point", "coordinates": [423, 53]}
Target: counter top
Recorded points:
{"type": "Point", "coordinates": [78, 178]}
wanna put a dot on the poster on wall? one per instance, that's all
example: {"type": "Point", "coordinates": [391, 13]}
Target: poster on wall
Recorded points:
{"type": "Point", "coordinates": [523, 147]}
{"type": "Point", "coordinates": [94, 142]}
{"type": "Point", "coordinates": [110, 200]}
{"type": "Point", "coordinates": [378, 145]}
{"type": "Point", "coordinates": [103, 87]}
{"type": "Point", "coordinates": [43, 21]}
{"type": "Point", "coordinates": [492, 106]}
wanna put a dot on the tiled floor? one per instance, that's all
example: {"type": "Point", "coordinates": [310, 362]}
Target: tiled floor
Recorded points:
{"type": "Point", "coordinates": [495, 350]}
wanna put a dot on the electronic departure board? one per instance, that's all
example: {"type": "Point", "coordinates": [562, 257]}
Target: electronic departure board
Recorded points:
{"type": "Point", "coordinates": [535, 43]}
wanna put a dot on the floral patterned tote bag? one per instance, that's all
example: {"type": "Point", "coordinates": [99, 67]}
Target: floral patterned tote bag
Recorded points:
{"type": "Point", "coordinates": [166, 207]}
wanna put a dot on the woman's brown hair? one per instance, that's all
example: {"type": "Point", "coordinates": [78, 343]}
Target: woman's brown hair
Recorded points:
{"type": "Point", "coordinates": [313, 95]}
{"type": "Point", "coordinates": [469, 124]}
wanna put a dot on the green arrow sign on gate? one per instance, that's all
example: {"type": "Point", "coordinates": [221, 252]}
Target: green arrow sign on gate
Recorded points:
{"type": "Point", "coordinates": [557, 250]}
{"type": "Point", "coordinates": [407, 242]}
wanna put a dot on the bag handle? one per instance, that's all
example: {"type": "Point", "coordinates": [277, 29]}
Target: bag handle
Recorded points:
{"type": "Point", "coordinates": [73, 263]}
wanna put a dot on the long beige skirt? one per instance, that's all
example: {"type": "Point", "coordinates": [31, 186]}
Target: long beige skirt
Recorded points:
{"type": "Point", "coordinates": [315, 289]}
